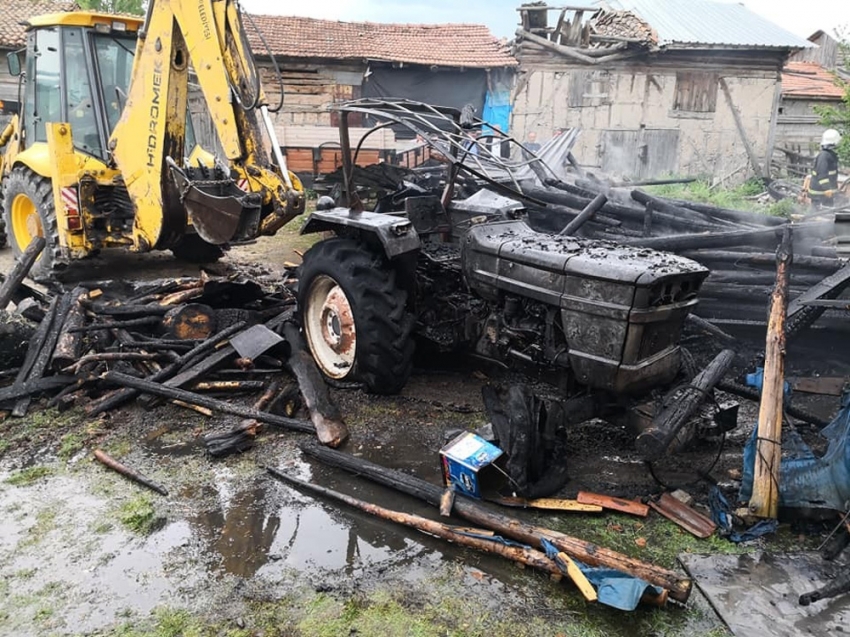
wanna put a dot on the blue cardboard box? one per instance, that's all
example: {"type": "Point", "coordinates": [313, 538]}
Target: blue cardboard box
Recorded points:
{"type": "Point", "coordinates": [473, 466]}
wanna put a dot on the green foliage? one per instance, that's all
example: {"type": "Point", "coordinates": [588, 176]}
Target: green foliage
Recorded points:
{"type": "Point", "coordinates": [28, 476]}
{"type": "Point", "coordinates": [136, 7]}
{"type": "Point", "coordinates": [138, 514]}
{"type": "Point", "coordinates": [838, 117]}
{"type": "Point", "coordinates": [70, 444]}
{"type": "Point", "coordinates": [702, 192]}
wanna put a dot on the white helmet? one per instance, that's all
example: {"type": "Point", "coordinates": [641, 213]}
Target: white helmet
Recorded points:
{"type": "Point", "coordinates": [831, 137]}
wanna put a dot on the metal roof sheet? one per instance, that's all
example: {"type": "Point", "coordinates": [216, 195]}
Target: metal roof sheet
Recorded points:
{"type": "Point", "coordinates": [707, 23]}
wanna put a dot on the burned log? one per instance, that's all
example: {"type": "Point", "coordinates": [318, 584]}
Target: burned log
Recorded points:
{"type": "Point", "coordinates": [20, 271]}
{"type": "Point", "coordinates": [477, 513]}
{"type": "Point", "coordinates": [767, 238]}
{"type": "Point", "coordinates": [710, 328]}
{"type": "Point", "coordinates": [41, 349]}
{"type": "Point", "coordinates": [70, 340]}
{"type": "Point", "coordinates": [241, 438]}
{"type": "Point", "coordinates": [586, 215]}
{"type": "Point", "coordinates": [192, 321]}
{"type": "Point", "coordinates": [16, 333]}
{"type": "Point", "coordinates": [35, 387]}
{"type": "Point", "coordinates": [668, 208]}
{"type": "Point", "coordinates": [523, 555]}
{"type": "Point", "coordinates": [800, 315]}
{"type": "Point", "coordinates": [761, 258]}
{"type": "Point", "coordinates": [619, 211]}
{"type": "Point", "coordinates": [326, 417]}
{"type": "Point", "coordinates": [120, 396]}
{"type": "Point", "coordinates": [222, 406]}
{"type": "Point", "coordinates": [764, 501]}
{"type": "Point", "coordinates": [681, 404]}
{"type": "Point", "coordinates": [126, 471]}
{"type": "Point", "coordinates": [471, 538]}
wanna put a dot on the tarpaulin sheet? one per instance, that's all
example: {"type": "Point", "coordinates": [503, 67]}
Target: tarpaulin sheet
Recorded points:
{"type": "Point", "coordinates": [805, 480]}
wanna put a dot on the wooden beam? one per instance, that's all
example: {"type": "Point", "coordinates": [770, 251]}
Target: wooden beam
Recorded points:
{"type": "Point", "coordinates": [557, 48]}
{"type": "Point", "coordinates": [764, 502]}
{"type": "Point", "coordinates": [739, 124]}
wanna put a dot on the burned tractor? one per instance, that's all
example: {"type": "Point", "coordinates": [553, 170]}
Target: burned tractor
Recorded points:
{"type": "Point", "coordinates": [469, 272]}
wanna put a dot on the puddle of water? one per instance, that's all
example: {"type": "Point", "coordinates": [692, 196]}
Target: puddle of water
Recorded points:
{"type": "Point", "coordinates": [236, 529]}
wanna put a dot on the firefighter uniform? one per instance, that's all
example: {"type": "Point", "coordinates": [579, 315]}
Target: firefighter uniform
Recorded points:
{"type": "Point", "coordinates": [823, 183]}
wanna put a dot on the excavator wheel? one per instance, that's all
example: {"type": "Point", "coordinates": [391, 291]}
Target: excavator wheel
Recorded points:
{"type": "Point", "coordinates": [29, 212]}
{"type": "Point", "coordinates": [354, 316]}
{"type": "Point", "coordinates": [192, 249]}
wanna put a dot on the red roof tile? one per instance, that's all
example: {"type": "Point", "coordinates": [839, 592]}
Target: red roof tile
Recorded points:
{"type": "Point", "coordinates": [16, 11]}
{"type": "Point", "coordinates": [810, 80]}
{"type": "Point", "coordinates": [455, 45]}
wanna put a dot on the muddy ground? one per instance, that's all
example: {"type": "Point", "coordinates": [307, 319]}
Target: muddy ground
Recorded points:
{"type": "Point", "coordinates": [232, 552]}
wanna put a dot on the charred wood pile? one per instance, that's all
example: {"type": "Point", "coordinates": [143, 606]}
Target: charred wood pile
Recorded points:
{"type": "Point", "coordinates": [738, 247]}
{"type": "Point", "coordinates": [198, 343]}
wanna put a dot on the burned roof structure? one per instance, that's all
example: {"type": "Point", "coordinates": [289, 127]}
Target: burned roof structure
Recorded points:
{"type": "Point", "coordinates": [685, 87]}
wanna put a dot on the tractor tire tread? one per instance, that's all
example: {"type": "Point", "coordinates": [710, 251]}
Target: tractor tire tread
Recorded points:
{"type": "Point", "coordinates": [384, 355]}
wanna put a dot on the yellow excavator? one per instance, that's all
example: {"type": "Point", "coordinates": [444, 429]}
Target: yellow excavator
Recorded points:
{"type": "Point", "coordinates": [101, 152]}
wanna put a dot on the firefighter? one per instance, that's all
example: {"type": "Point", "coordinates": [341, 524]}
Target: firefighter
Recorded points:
{"type": "Point", "coordinates": [823, 185]}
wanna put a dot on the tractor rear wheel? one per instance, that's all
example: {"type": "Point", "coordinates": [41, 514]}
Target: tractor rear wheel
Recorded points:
{"type": "Point", "coordinates": [29, 212]}
{"type": "Point", "coordinates": [354, 316]}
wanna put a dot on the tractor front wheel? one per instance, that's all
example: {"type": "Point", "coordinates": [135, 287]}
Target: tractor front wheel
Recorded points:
{"type": "Point", "coordinates": [29, 212]}
{"type": "Point", "coordinates": [355, 316]}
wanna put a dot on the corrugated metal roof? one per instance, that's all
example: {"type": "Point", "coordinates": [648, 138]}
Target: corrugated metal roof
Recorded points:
{"type": "Point", "coordinates": [702, 22]}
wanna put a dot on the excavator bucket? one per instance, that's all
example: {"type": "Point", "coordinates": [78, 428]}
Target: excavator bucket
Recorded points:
{"type": "Point", "coordinates": [219, 211]}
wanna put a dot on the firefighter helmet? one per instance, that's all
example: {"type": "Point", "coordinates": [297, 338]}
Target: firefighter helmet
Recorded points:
{"type": "Point", "coordinates": [831, 137]}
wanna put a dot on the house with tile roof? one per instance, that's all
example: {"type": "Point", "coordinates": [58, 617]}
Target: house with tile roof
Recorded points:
{"type": "Point", "coordinates": [657, 87]}
{"type": "Point", "coordinates": [327, 61]}
{"type": "Point", "coordinates": [811, 78]}
{"type": "Point", "coordinates": [12, 16]}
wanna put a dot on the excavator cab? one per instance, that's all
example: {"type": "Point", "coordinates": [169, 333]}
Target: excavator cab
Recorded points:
{"type": "Point", "coordinates": [77, 70]}
{"type": "Point", "coordinates": [102, 152]}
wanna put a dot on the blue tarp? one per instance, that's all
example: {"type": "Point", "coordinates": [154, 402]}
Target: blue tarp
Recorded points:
{"type": "Point", "coordinates": [497, 110]}
{"type": "Point", "coordinates": [613, 588]}
{"type": "Point", "coordinates": [805, 480]}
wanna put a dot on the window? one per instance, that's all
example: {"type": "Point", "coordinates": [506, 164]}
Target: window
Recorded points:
{"type": "Point", "coordinates": [696, 93]}
{"type": "Point", "coordinates": [46, 103]}
{"type": "Point", "coordinates": [115, 66]}
{"type": "Point", "coordinates": [78, 94]}
{"type": "Point", "coordinates": [589, 88]}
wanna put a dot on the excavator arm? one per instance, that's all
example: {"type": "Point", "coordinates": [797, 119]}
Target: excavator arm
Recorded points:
{"type": "Point", "coordinates": [147, 145]}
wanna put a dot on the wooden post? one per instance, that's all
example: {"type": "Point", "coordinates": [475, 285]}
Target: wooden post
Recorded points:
{"type": "Point", "coordinates": [764, 502]}
{"type": "Point", "coordinates": [20, 271]}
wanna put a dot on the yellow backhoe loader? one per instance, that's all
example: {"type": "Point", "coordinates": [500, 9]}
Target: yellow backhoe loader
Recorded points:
{"type": "Point", "coordinates": [100, 153]}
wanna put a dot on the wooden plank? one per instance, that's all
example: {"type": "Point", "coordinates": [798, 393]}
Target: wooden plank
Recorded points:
{"type": "Point", "coordinates": [615, 504]}
{"type": "Point", "coordinates": [578, 577]}
{"type": "Point", "coordinates": [549, 504]}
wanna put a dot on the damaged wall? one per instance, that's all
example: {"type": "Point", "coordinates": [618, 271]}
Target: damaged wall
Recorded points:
{"type": "Point", "coordinates": [667, 114]}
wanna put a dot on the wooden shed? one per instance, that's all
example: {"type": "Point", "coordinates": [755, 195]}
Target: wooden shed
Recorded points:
{"type": "Point", "coordinates": [325, 61]}
{"type": "Point", "coordinates": [657, 87]}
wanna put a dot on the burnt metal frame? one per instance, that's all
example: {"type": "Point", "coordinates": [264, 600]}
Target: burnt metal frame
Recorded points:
{"type": "Point", "coordinates": [448, 140]}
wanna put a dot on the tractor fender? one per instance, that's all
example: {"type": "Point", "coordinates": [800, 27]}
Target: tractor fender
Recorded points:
{"type": "Point", "coordinates": [396, 235]}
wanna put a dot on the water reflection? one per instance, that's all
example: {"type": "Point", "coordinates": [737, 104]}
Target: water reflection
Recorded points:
{"type": "Point", "coordinates": [250, 528]}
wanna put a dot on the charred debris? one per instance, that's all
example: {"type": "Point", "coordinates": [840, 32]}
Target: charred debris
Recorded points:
{"type": "Point", "coordinates": [233, 345]}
